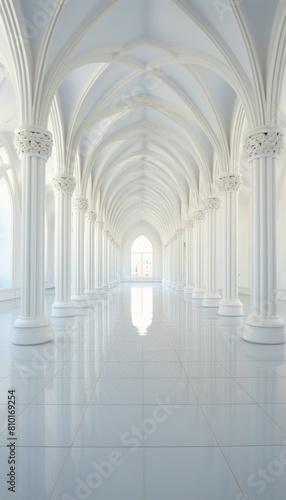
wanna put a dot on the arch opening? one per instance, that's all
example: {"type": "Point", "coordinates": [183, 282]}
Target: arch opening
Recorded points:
{"type": "Point", "coordinates": [142, 258]}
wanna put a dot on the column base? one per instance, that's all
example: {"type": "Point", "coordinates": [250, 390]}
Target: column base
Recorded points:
{"type": "Point", "coordinates": [210, 312]}
{"type": "Point", "coordinates": [90, 294]}
{"type": "Point", "coordinates": [211, 300]}
{"type": "Point", "coordinates": [79, 301]}
{"type": "Point", "coordinates": [230, 308]}
{"type": "Point", "coordinates": [198, 294]}
{"type": "Point", "coordinates": [197, 302]}
{"type": "Point", "coordinates": [31, 331]}
{"type": "Point", "coordinates": [261, 330]}
{"type": "Point", "coordinates": [188, 290]}
{"type": "Point", "coordinates": [179, 288]}
{"type": "Point", "coordinates": [62, 310]}
{"type": "Point", "coordinates": [230, 321]}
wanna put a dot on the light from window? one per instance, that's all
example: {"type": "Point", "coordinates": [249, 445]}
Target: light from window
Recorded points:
{"type": "Point", "coordinates": [142, 258]}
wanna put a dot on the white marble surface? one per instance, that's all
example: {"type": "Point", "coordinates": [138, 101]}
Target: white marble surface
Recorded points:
{"type": "Point", "coordinates": [187, 411]}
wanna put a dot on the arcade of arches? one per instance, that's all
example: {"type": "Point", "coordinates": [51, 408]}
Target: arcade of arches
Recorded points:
{"type": "Point", "coordinates": [177, 126]}
{"type": "Point", "coordinates": [143, 248]}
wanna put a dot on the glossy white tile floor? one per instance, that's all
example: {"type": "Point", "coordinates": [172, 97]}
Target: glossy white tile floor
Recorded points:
{"type": "Point", "coordinates": [144, 397]}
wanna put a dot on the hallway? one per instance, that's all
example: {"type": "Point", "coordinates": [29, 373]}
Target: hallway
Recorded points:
{"type": "Point", "coordinates": [145, 397]}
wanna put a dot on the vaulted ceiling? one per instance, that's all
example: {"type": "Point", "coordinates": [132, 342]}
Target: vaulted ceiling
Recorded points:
{"type": "Point", "coordinates": [147, 100]}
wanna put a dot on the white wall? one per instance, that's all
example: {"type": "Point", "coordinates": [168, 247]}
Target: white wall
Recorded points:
{"type": "Point", "coordinates": [133, 232]}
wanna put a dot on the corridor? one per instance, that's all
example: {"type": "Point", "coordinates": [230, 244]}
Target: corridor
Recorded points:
{"type": "Point", "coordinates": [144, 397]}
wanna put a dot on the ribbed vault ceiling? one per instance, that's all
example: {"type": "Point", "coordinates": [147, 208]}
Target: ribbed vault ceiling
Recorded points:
{"type": "Point", "coordinates": [147, 99]}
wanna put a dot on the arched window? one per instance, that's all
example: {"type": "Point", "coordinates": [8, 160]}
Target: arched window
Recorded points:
{"type": "Point", "coordinates": [141, 258]}
{"type": "Point", "coordinates": [6, 235]}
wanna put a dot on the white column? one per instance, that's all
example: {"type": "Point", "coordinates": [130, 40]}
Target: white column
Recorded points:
{"type": "Point", "coordinates": [212, 296]}
{"type": "Point", "coordinates": [34, 147]}
{"type": "Point", "coordinates": [229, 185]}
{"type": "Point", "coordinates": [98, 257]}
{"type": "Point", "coordinates": [111, 262]}
{"type": "Point", "coordinates": [189, 225]}
{"type": "Point", "coordinates": [174, 261]}
{"type": "Point", "coordinates": [105, 234]}
{"type": "Point", "coordinates": [90, 219]}
{"type": "Point", "coordinates": [80, 206]}
{"type": "Point", "coordinates": [180, 260]}
{"type": "Point", "coordinates": [118, 264]}
{"type": "Point", "coordinates": [199, 289]}
{"type": "Point", "coordinates": [63, 187]}
{"type": "Point", "coordinates": [170, 263]}
{"type": "Point", "coordinates": [164, 265]}
{"type": "Point", "coordinates": [261, 148]}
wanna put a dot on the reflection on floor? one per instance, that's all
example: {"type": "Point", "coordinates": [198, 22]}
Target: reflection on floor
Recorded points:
{"type": "Point", "coordinates": [144, 396]}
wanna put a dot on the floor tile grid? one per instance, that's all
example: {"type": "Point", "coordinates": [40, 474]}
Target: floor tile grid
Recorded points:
{"type": "Point", "coordinates": [60, 471]}
{"type": "Point", "coordinates": [75, 436]}
{"type": "Point", "coordinates": [220, 447]}
{"type": "Point", "coordinates": [47, 380]}
{"type": "Point", "coordinates": [71, 446]}
{"type": "Point", "coordinates": [24, 405]}
{"type": "Point", "coordinates": [261, 406]}
{"type": "Point", "coordinates": [208, 423]}
{"type": "Point", "coordinates": [240, 347]}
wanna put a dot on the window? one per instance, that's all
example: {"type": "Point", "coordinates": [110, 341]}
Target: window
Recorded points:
{"type": "Point", "coordinates": [142, 258]}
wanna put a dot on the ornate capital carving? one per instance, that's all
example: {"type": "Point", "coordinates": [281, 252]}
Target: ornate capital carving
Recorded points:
{"type": "Point", "coordinates": [33, 141]}
{"type": "Point", "coordinates": [180, 231]}
{"type": "Point", "coordinates": [80, 204]}
{"type": "Point", "coordinates": [229, 182]}
{"type": "Point", "coordinates": [189, 224]}
{"type": "Point", "coordinates": [212, 204]}
{"type": "Point", "coordinates": [199, 215]}
{"type": "Point", "coordinates": [99, 225]}
{"type": "Point", "coordinates": [90, 216]}
{"type": "Point", "coordinates": [105, 233]}
{"type": "Point", "coordinates": [263, 142]}
{"type": "Point", "coordinates": [63, 184]}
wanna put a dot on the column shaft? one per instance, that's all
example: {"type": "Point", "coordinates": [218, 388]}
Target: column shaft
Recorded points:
{"type": "Point", "coordinates": [90, 218]}
{"type": "Point", "coordinates": [189, 225]}
{"type": "Point", "coordinates": [63, 187]}
{"type": "Point", "coordinates": [34, 146]}
{"type": "Point", "coordinates": [261, 148]}
{"type": "Point", "coordinates": [229, 185]}
{"type": "Point", "coordinates": [98, 257]}
{"type": "Point", "coordinates": [80, 206]}
{"type": "Point", "coordinates": [212, 297]}
{"type": "Point", "coordinates": [199, 290]}
{"type": "Point", "coordinates": [180, 260]}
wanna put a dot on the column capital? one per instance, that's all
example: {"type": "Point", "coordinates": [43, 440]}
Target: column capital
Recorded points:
{"type": "Point", "coordinates": [212, 204]}
{"type": "Point", "coordinates": [180, 231]}
{"type": "Point", "coordinates": [63, 183]}
{"type": "Point", "coordinates": [262, 143]}
{"type": "Point", "coordinates": [33, 141]}
{"type": "Point", "coordinates": [80, 204]}
{"type": "Point", "coordinates": [105, 233]}
{"type": "Point", "coordinates": [229, 182]}
{"type": "Point", "coordinates": [199, 215]}
{"type": "Point", "coordinates": [189, 224]}
{"type": "Point", "coordinates": [90, 216]}
{"type": "Point", "coordinates": [99, 225]}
